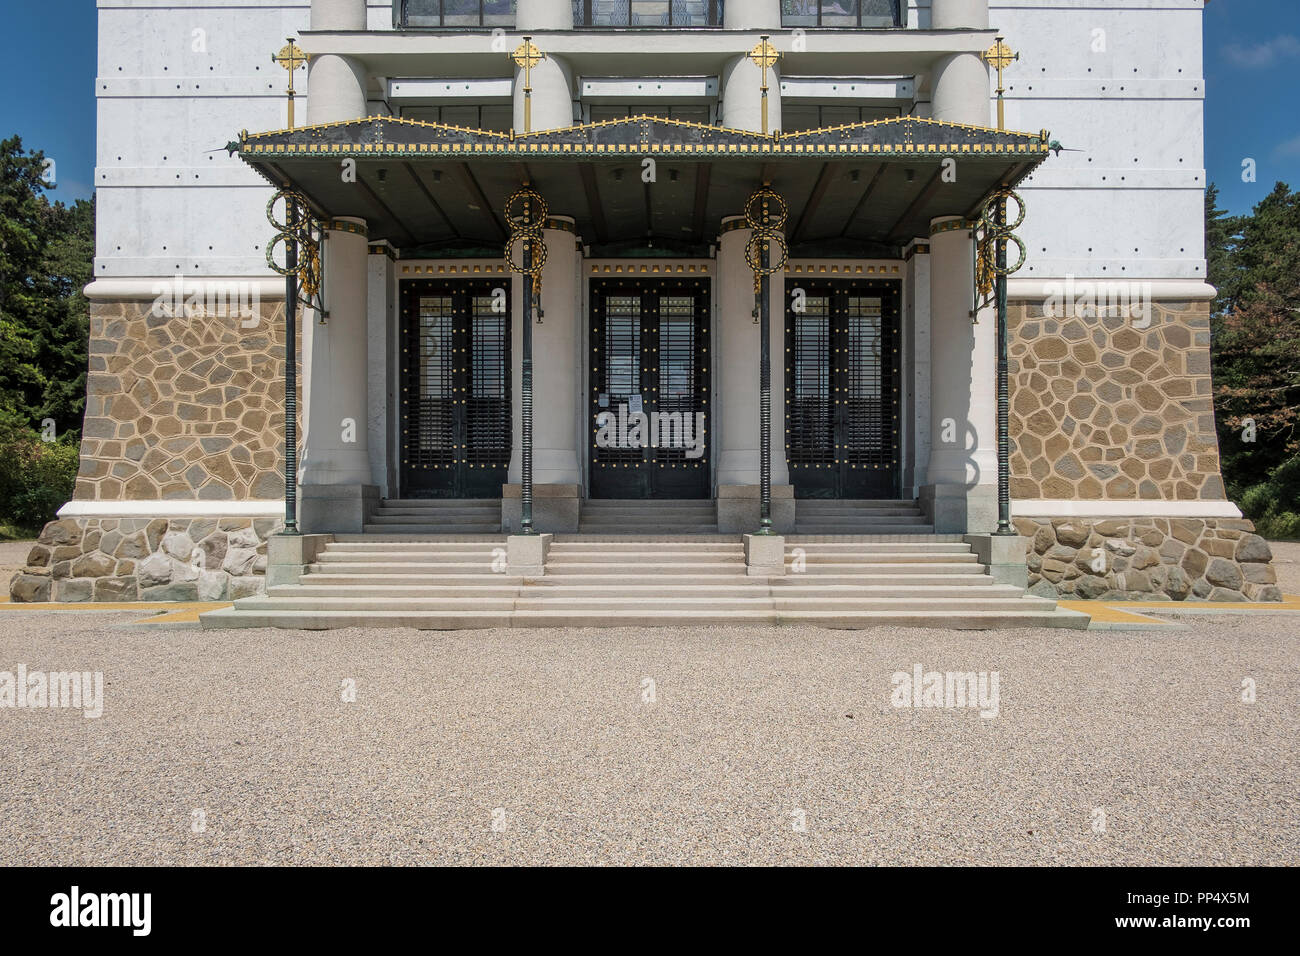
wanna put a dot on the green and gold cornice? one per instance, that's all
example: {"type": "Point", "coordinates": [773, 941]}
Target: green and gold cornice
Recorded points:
{"type": "Point", "coordinates": [380, 136]}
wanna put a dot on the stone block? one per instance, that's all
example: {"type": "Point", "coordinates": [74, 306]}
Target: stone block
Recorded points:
{"type": "Point", "coordinates": [526, 554]}
{"type": "Point", "coordinates": [1003, 555]}
{"type": "Point", "coordinates": [556, 508]}
{"type": "Point", "coordinates": [29, 588]}
{"type": "Point", "coordinates": [764, 555]}
{"type": "Point", "coordinates": [739, 511]}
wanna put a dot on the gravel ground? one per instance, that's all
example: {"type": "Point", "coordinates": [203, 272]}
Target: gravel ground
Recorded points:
{"type": "Point", "coordinates": [13, 555]}
{"type": "Point", "coordinates": [748, 727]}
{"type": "Point", "coordinates": [1286, 559]}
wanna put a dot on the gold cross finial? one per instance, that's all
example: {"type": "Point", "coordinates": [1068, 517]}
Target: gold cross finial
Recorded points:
{"type": "Point", "coordinates": [291, 58]}
{"type": "Point", "coordinates": [999, 56]}
{"type": "Point", "coordinates": [765, 56]}
{"type": "Point", "coordinates": [527, 56]}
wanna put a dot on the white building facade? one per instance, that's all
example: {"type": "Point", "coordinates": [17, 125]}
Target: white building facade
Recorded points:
{"type": "Point", "coordinates": [646, 126]}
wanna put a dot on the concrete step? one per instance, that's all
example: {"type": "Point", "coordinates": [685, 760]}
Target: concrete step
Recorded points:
{"type": "Point", "coordinates": [916, 576]}
{"type": "Point", "coordinates": [883, 557]}
{"type": "Point", "coordinates": [376, 589]}
{"type": "Point", "coordinates": [434, 504]}
{"type": "Point", "coordinates": [353, 602]}
{"type": "Point", "coordinates": [636, 569]}
{"type": "Point", "coordinates": [481, 528]}
{"type": "Point", "coordinates": [402, 558]}
{"type": "Point", "coordinates": [427, 568]}
{"type": "Point", "coordinates": [336, 578]}
{"type": "Point", "coordinates": [557, 558]}
{"type": "Point", "coordinates": [858, 549]}
{"type": "Point", "coordinates": [890, 511]}
{"type": "Point", "coordinates": [890, 564]}
{"type": "Point", "coordinates": [646, 507]}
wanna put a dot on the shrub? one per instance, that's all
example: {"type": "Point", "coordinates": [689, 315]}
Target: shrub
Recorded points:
{"type": "Point", "coordinates": [36, 477]}
{"type": "Point", "coordinates": [1274, 504]}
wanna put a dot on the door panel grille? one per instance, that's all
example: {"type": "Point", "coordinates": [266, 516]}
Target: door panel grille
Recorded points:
{"type": "Point", "coordinates": [649, 348]}
{"type": "Point", "coordinates": [455, 377]}
{"type": "Point", "coordinates": [842, 381]}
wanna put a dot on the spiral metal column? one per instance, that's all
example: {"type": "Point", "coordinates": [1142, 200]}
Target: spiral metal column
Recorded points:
{"type": "Point", "coordinates": [765, 214]}
{"type": "Point", "coordinates": [526, 213]}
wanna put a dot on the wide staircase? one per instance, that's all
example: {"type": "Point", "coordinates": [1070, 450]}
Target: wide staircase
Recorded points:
{"type": "Point", "coordinates": [866, 516]}
{"type": "Point", "coordinates": [436, 516]}
{"type": "Point", "coordinates": [652, 516]}
{"type": "Point", "coordinates": [645, 580]}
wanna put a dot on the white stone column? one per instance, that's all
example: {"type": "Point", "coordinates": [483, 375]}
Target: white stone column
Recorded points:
{"type": "Point", "coordinates": [736, 398]}
{"type": "Point", "coordinates": [961, 484]}
{"type": "Point", "coordinates": [558, 399]}
{"type": "Point", "coordinates": [742, 96]}
{"type": "Point", "coordinates": [552, 83]}
{"type": "Point", "coordinates": [752, 15]}
{"type": "Point", "coordinates": [381, 331]}
{"type": "Point", "coordinates": [916, 368]}
{"type": "Point", "coordinates": [959, 14]}
{"type": "Point", "coordinates": [336, 474]}
{"type": "Point", "coordinates": [336, 85]}
{"type": "Point", "coordinates": [959, 90]}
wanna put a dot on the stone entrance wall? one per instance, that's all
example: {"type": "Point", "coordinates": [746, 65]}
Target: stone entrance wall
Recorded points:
{"type": "Point", "coordinates": [1113, 408]}
{"type": "Point", "coordinates": [183, 408]}
{"type": "Point", "coordinates": [179, 407]}
{"type": "Point", "coordinates": [1149, 559]}
{"type": "Point", "coordinates": [143, 559]}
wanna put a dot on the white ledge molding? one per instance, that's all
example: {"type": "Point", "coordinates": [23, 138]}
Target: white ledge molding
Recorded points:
{"type": "Point", "coordinates": [1175, 290]}
{"type": "Point", "coordinates": [265, 287]}
{"type": "Point", "coordinates": [1065, 508]}
{"type": "Point", "coordinates": [173, 509]}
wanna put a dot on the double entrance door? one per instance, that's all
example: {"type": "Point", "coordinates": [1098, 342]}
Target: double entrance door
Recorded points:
{"type": "Point", "coordinates": [649, 398]}
{"type": "Point", "coordinates": [842, 387]}
{"type": "Point", "coordinates": [455, 382]}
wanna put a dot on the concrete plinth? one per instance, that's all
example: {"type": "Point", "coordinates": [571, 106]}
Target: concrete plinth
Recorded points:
{"type": "Point", "coordinates": [738, 508]}
{"type": "Point", "coordinates": [555, 508]}
{"type": "Point", "coordinates": [960, 509]}
{"type": "Point", "coordinates": [1004, 555]}
{"type": "Point", "coordinates": [336, 509]}
{"type": "Point", "coordinates": [764, 555]}
{"type": "Point", "coordinates": [526, 554]}
{"type": "Point", "coordinates": [287, 555]}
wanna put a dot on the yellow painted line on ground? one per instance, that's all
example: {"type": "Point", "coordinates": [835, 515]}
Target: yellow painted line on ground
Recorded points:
{"type": "Point", "coordinates": [175, 606]}
{"type": "Point", "coordinates": [188, 616]}
{"type": "Point", "coordinates": [1289, 602]}
{"type": "Point", "coordinates": [1110, 614]}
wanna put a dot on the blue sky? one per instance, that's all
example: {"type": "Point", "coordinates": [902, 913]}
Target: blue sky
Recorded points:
{"type": "Point", "coordinates": [1252, 58]}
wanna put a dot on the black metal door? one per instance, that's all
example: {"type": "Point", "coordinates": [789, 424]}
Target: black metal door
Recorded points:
{"type": "Point", "coordinates": [842, 380]}
{"type": "Point", "coordinates": [455, 381]}
{"type": "Point", "coordinates": [649, 388]}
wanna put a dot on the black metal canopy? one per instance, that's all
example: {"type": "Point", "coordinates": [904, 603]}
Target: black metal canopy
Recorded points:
{"type": "Point", "coordinates": [863, 189]}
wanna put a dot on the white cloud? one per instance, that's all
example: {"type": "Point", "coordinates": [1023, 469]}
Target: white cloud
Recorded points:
{"type": "Point", "coordinates": [1262, 55]}
{"type": "Point", "coordinates": [1287, 148]}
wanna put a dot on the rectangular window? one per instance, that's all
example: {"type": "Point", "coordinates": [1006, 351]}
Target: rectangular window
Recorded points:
{"type": "Point", "coordinates": [455, 14]}
{"type": "Point", "coordinates": [648, 13]}
{"type": "Point", "coordinates": [842, 14]}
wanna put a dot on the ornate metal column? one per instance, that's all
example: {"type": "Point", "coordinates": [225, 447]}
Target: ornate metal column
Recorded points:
{"type": "Point", "coordinates": [302, 284]}
{"type": "Point", "coordinates": [765, 214]}
{"type": "Point", "coordinates": [998, 231]}
{"type": "Point", "coordinates": [526, 213]}
{"type": "Point", "coordinates": [992, 271]}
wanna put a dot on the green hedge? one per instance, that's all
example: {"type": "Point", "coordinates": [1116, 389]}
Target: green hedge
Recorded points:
{"type": "Point", "coordinates": [36, 477]}
{"type": "Point", "coordinates": [1274, 504]}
